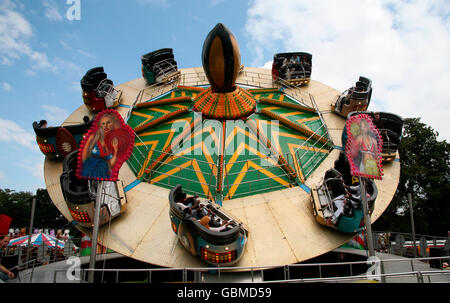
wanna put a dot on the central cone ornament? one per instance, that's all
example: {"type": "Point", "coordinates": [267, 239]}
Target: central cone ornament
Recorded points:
{"type": "Point", "coordinates": [221, 62]}
{"type": "Point", "coordinates": [221, 59]}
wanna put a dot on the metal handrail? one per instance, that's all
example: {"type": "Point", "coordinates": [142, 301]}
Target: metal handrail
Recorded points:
{"type": "Point", "coordinates": [323, 185]}
{"type": "Point", "coordinates": [307, 99]}
{"type": "Point", "coordinates": [410, 234]}
{"type": "Point", "coordinates": [210, 185]}
{"type": "Point", "coordinates": [130, 110]}
{"type": "Point", "coordinates": [259, 169]}
{"type": "Point", "coordinates": [388, 144]}
{"type": "Point", "coordinates": [418, 273]}
{"type": "Point", "coordinates": [298, 94]}
{"type": "Point", "coordinates": [259, 179]}
{"type": "Point", "coordinates": [213, 173]}
{"type": "Point", "coordinates": [142, 158]}
{"type": "Point", "coordinates": [313, 102]}
{"type": "Point", "coordinates": [307, 151]}
{"type": "Point", "coordinates": [255, 191]}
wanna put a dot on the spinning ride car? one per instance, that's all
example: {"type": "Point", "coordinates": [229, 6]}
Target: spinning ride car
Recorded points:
{"type": "Point", "coordinates": [159, 66]}
{"type": "Point", "coordinates": [56, 142]}
{"type": "Point", "coordinates": [292, 68]}
{"type": "Point", "coordinates": [333, 187]}
{"type": "Point", "coordinates": [81, 195]}
{"type": "Point", "coordinates": [98, 91]}
{"type": "Point", "coordinates": [356, 98]}
{"type": "Point", "coordinates": [223, 247]}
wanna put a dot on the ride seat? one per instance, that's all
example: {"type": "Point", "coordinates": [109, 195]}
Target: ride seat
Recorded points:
{"type": "Point", "coordinates": [179, 196]}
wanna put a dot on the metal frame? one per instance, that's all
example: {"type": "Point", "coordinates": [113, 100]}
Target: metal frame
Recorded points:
{"type": "Point", "coordinates": [212, 185]}
{"type": "Point", "coordinates": [315, 155]}
{"type": "Point", "coordinates": [270, 187]}
{"type": "Point", "coordinates": [420, 276]}
{"type": "Point", "coordinates": [108, 92]}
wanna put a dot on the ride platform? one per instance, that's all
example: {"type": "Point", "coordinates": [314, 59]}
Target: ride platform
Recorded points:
{"type": "Point", "coordinates": [282, 227]}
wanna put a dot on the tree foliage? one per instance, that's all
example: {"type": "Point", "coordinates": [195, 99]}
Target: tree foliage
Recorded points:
{"type": "Point", "coordinates": [17, 205]}
{"type": "Point", "coordinates": [425, 174]}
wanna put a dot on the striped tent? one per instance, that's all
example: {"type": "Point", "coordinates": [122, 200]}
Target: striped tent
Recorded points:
{"type": "Point", "coordinates": [37, 240]}
{"type": "Point", "coordinates": [85, 245]}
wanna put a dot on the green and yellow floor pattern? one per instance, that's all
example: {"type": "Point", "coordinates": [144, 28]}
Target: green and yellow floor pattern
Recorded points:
{"type": "Point", "coordinates": [277, 146]}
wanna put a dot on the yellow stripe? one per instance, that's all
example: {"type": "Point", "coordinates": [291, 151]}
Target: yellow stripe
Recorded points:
{"type": "Point", "coordinates": [158, 132]}
{"type": "Point", "coordinates": [201, 178]}
{"type": "Point", "coordinates": [297, 166]}
{"type": "Point", "coordinates": [291, 136]}
{"type": "Point", "coordinates": [250, 149]}
{"type": "Point", "coordinates": [272, 107]}
{"type": "Point", "coordinates": [234, 133]}
{"type": "Point", "coordinates": [164, 111]}
{"type": "Point", "coordinates": [149, 156]}
{"type": "Point", "coordinates": [308, 119]}
{"type": "Point", "coordinates": [170, 172]}
{"type": "Point", "coordinates": [244, 170]}
{"type": "Point", "coordinates": [211, 132]}
{"type": "Point", "coordinates": [191, 149]}
{"type": "Point", "coordinates": [291, 114]}
{"type": "Point", "coordinates": [196, 167]}
{"type": "Point", "coordinates": [178, 105]}
{"type": "Point", "coordinates": [187, 119]}
{"type": "Point", "coordinates": [148, 117]}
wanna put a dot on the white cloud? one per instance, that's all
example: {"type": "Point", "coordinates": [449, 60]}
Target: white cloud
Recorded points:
{"type": "Point", "coordinates": [2, 175]}
{"type": "Point", "coordinates": [13, 133]}
{"type": "Point", "coordinates": [38, 170]}
{"type": "Point", "coordinates": [402, 46]}
{"type": "Point", "coordinates": [85, 53]}
{"type": "Point", "coordinates": [35, 168]}
{"type": "Point", "coordinates": [54, 114]}
{"type": "Point", "coordinates": [51, 11]}
{"type": "Point", "coordinates": [75, 87]}
{"type": "Point", "coordinates": [15, 31]}
{"type": "Point", "coordinates": [153, 2]}
{"type": "Point", "coordinates": [65, 67]}
{"type": "Point", "coordinates": [65, 45]}
{"type": "Point", "coordinates": [216, 2]}
{"type": "Point", "coordinates": [30, 73]}
{"type": "Point", "coordinates": [6, 86]}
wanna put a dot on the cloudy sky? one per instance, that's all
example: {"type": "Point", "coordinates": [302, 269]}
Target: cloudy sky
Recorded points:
{"type": "Point", "coordinates": [47, 46]}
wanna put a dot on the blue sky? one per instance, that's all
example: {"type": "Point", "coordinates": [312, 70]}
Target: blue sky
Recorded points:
{"type": "Point", "coordinates": [402, 46]}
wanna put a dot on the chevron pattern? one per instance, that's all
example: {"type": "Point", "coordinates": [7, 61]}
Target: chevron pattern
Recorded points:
{"type": "Point", "coordinates": [224, 146]}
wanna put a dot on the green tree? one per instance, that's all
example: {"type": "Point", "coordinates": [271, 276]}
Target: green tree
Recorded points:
{"type": "Point", "coordinates": [17, 205]}
{"type": "Point", "coordinates": [425, 174]}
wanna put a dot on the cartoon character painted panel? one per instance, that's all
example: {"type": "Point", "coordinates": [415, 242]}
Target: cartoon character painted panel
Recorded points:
{"type": "Point", "coordinates": [363, 147]}
{"type": "Point", "coordinates": [108, 143]}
